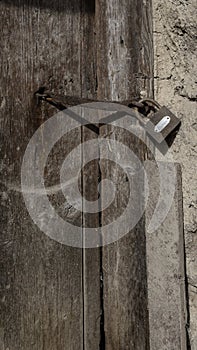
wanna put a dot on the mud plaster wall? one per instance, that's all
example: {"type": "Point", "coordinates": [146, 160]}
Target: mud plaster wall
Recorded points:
{"type": "Point", "coordinates": [175, 78]}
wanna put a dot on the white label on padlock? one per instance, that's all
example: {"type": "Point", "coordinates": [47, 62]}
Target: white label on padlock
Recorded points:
{"type": "Point", "coordinates": [162, 124]}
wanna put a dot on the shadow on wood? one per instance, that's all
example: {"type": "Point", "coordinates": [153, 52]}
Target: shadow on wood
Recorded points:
{"type": "Point", "coordinates": [60, 6]}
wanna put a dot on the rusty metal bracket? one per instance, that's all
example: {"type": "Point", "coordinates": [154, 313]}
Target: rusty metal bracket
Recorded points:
{"type": "Point", "coordinates": [159, 122]}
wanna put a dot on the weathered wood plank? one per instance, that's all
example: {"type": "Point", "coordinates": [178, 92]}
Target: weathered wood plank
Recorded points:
{"type": "Point", "coordinates": [41, 280]}
{"type": "Point", "coordinates": [165, 262]}
{"type": "Point", "coordinates": [124, 261]}
{"type": "Point", "coordinates": [91, 256]}
{"type": "Point", "coordinates": [49, 291]}
{"type": "Point", "coordinates": [90, 175]}
{"type": "Point", "coordinates": [125, 49]}
{"type": "Point", "coordinates": [125, 69]}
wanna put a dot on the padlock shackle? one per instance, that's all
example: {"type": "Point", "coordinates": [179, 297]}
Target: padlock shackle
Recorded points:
{"type": "Point", "coordinates": [150, 102]}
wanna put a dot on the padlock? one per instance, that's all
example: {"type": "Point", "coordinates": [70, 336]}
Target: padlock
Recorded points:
{"type": "Point", "coordinates": [161, 124]}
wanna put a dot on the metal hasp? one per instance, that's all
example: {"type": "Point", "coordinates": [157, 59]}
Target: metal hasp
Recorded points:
{"type": "Point", "coordinates": [161, 124]}
{"type": "Point", "coordinates": [158, 126]}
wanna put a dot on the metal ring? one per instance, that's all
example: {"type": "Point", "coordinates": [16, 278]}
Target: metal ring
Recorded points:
{"type": "Point", "coordinates": [149, 101]}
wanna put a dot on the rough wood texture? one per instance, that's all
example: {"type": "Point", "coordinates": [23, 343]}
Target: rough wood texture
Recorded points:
{"type": "Point", "coordinates": [124, 262]}
{"type": "Point", "coordinates": [125, 61]}
{"type": "Point", "coordinates": [91, 257]}
{"type": "Point", "coordinates": [125, 49]}
{"type": "Point", "coordinates": [166, 271]}
{"type": "Point", "coordinates": [53, 296]}
{"type": "Point", "coordinates": [42, 284]}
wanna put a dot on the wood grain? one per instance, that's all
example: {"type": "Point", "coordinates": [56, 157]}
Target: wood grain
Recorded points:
{"type": "Point", "coordinates": [42, 288]}
{"type": "Point", "coordinates": [91, 257]}
{"type": "Point", "coordinates": [165, 261]}
{"type": "Point", "coordinates": [125, 61]}
{"type": "Point", "coordinates": [54, 296]}
{"type": "Point", "coordinates": [125, 49]}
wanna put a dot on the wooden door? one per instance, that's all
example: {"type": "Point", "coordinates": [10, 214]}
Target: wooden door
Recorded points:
{"type": "Point", "coordinates": [54, 296]}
